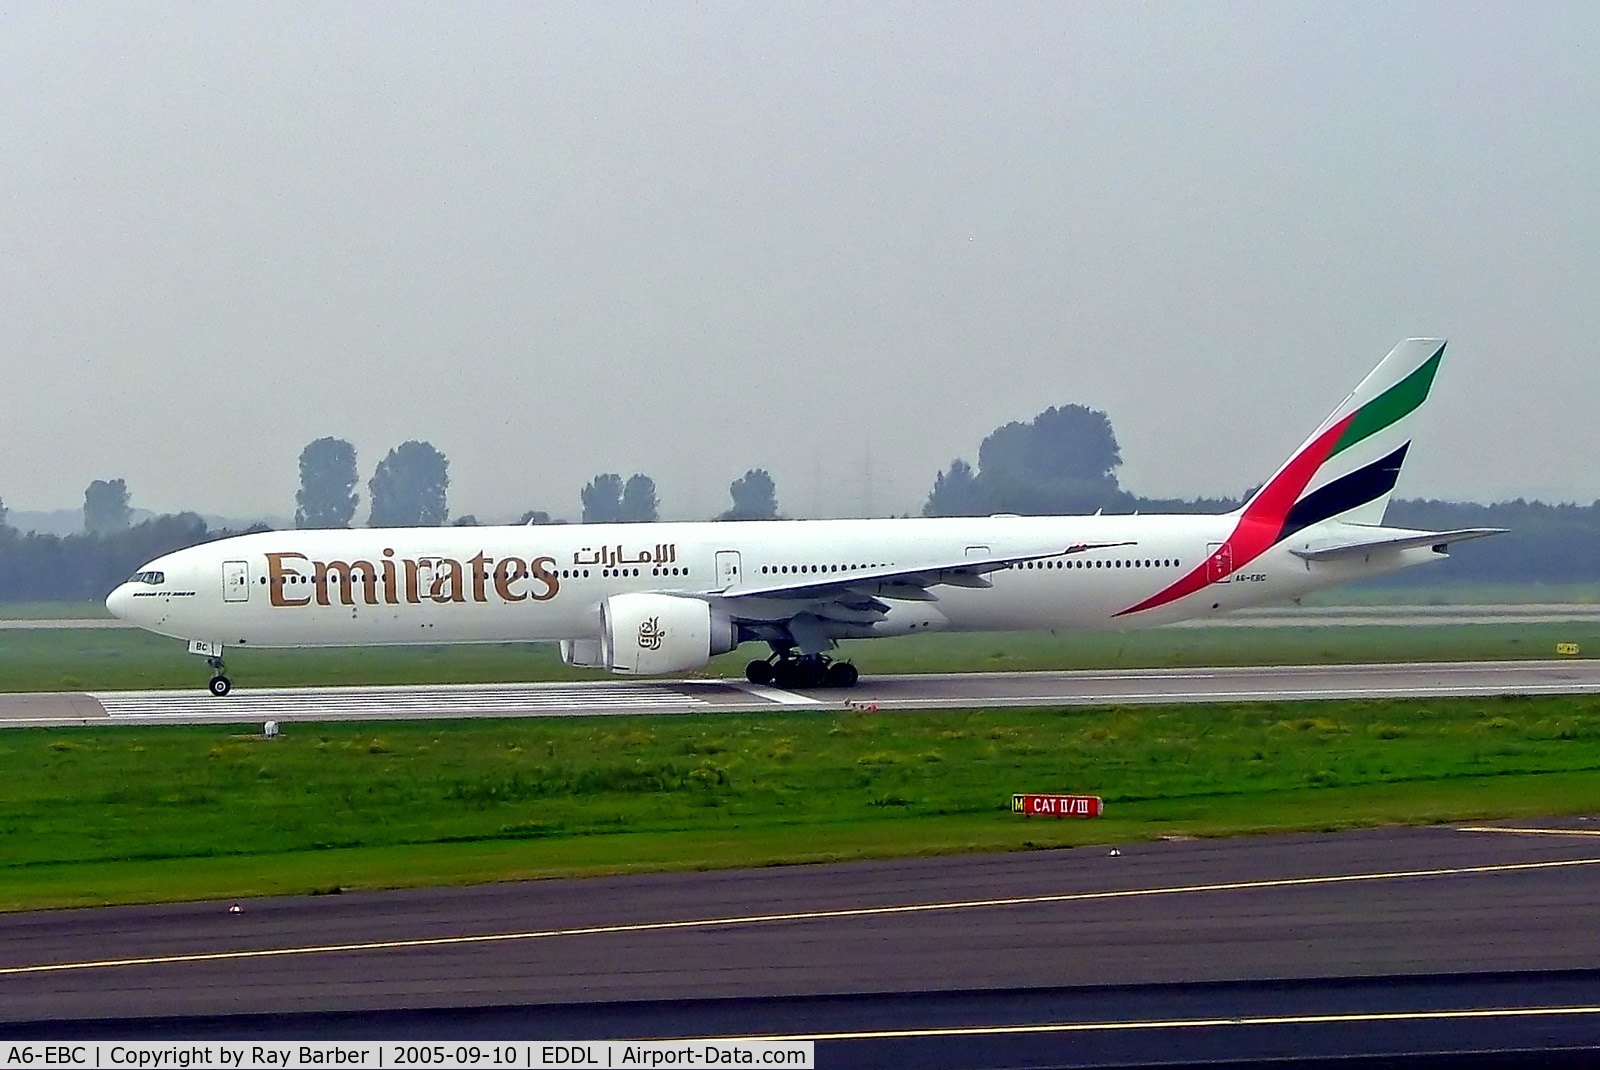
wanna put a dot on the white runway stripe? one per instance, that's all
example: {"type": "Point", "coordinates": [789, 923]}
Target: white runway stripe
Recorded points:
{"type": "Point", "coordinates": [773, 694]}
{"type": "Point", "coordinates": [442, 700]}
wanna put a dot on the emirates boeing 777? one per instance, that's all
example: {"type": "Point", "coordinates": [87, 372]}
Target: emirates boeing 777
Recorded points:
{"type": "Point", "coordinates": [657, 598]}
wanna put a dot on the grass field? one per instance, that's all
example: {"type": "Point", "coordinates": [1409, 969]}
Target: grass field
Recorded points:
{"type": "Point", "coordinates": [53, 611]}
{"type": "Point", "coordinates": [153, 813]}
{"type": "Point", "coordinates": [117, 659]}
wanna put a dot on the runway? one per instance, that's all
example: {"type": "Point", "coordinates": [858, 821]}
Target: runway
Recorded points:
{"type": "Point", "coordinates": [882, 693]}
{"type": "Point", "coordinates": [1372, 942]}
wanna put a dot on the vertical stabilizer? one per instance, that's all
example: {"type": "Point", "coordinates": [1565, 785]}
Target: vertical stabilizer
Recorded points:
{"type": "Point", "coordinates": [1348, 467]}
{"type": "Point", "coordinates": [1345, 471]}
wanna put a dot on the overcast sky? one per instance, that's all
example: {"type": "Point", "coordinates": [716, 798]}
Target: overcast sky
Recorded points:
{"type": "Point", "coordinates": [839, 241]}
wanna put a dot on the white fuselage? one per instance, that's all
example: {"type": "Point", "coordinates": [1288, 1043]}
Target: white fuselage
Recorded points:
{"type": "Point", "coordinates": [498, 584]}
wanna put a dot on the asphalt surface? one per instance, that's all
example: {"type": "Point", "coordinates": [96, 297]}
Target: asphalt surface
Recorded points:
{"type": "Point", "coordinates": [926, 691]}
{"type": "Point", "coordinates": [1455, 1021]}
{"type": "Point", "coordinates": [1395, 940]}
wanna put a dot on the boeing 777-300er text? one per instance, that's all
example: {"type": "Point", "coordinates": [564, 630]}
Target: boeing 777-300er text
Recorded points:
{"type": "Point", "coordinates": [667, 597]}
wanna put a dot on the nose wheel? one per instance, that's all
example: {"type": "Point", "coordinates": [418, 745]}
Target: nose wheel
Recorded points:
{"type": "Point", "coordinates": [220, 685]}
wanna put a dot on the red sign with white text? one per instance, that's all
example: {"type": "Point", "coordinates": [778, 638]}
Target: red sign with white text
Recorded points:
{"type": "Point", "coordinates": [1057, 805]}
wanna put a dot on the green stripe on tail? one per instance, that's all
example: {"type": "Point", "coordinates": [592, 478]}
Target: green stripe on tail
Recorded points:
{"type": "Point", "coordinates": [1398, 401]}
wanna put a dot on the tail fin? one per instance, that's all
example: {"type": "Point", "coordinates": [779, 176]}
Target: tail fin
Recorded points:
{"type": "Point", "coordinates": [1345, 470]}
{"type": "Point", "coordinates": [1348, 467]}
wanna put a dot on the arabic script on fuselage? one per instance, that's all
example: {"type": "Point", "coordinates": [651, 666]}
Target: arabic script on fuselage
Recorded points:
{"type": "Point", "coordinates": [663, 553]}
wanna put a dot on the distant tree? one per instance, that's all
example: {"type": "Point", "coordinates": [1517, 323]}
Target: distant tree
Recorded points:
{"type": "Point", "coordinates": [1186, 505]}
{"type": "Point", "coordinates": [105, 507]}
{"type": "Point", "coordinates": [534, 516]}
{"type": "Point", "coordinates": [754, 495]}
{"type": "Point", "coordinates": [409, 488]}
{"type": "Point", "coordinates": [955, 493]}
{"type": "Point", "coordinates": [638, 504]}
{"type": "Point", "coordinates": [327, 481]}
{"type": "Point", "coordinates": [465, 521]}
{"type": "Point", "coordinates": [3, 514]}
{"type": "Point", "coordinates": [1066, 442]}
{"type": "Point", "coordinates": [1062, 461]}
{"type": "Point", "coordinates": [48, 568]}
{"type": "Point", "coordinates": [602, 499]}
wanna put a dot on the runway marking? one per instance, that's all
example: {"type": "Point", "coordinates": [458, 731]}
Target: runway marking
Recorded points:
{"type": "Point", "coordinates": [794, 916]}
{"type": "Point", "coordinates": [1276, 695]}
{"type": "Point", "coordinates": [773, 694]}
{"type": "Point", "coordinates": [1078, 689]}
{"type": "Point", "coordinates": [1531, 832]}
{"type": "Point", "coordinates": [1340, 668]}
{"type": "Point", "coordinates": [1171, 1023]}
{"type": "Point", "coordinates": [562, 698]}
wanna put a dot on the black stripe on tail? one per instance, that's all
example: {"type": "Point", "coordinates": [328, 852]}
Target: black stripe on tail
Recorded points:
{"type": "Point", "coordinates": [1345, 493]}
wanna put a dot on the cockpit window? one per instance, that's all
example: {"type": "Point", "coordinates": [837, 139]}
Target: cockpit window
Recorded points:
{"type": "Point", "coordinates": [155, 579]}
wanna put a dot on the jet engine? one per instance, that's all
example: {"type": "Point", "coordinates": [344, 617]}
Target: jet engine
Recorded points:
{"type": "Point", "coordinates": [646, 634]}
{"type": "Point", "coordinates": [584, 653]}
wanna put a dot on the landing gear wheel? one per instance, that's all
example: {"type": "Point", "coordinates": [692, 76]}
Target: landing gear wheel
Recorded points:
{"type": "Point", "coordinates": [220, 685]}
{"type": "Point", "coordinates": [813, 671]}
{"type": "Point", "coordinates": [790, 671]}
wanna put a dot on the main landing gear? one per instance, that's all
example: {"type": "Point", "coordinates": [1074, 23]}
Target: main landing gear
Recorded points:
{"type": "Point", "coordinates": [806, 670]}
{"type": "Point", "coordinates": [220, 685]}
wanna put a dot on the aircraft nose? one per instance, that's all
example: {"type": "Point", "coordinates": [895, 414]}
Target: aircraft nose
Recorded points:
{"type": "Point", "coordinates": [119, 602]}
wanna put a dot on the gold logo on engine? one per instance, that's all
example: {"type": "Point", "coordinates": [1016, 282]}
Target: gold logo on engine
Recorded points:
{"type": "Point", "coordinates": [651, 633]}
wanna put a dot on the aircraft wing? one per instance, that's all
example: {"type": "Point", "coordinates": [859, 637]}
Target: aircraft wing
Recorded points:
{"type": "Point", "coordinates": [859, 597]}
{"type": "Point", "coordinates": [1348, 543]}
{"type": "Point", "coordinates": [895, 581]}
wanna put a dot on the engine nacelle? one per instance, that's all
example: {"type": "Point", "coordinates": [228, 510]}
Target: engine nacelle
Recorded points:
{"type": "Point", "coordinates": [584, 653]}
{"type": "Point", "coordinates": [647, 634]}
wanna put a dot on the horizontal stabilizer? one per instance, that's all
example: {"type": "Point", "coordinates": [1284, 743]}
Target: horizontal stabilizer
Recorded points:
{"type": "Point", "coordinates": [1393, 539]}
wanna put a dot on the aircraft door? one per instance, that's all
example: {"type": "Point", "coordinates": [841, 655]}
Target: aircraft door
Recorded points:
{"type": "Point", "coordinates": [727, 569]}
{"type": "Point", "coordinates": [1219, 562]}
{"type": "Point", "coordinates": [236, 581]}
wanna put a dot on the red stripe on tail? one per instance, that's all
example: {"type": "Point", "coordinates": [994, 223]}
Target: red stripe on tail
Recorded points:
{"type": "Point", "coordinates": [1261, 521]}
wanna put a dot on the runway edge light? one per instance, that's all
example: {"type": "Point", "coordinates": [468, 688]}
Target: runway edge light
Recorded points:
{"type": "Point", "coordinates": [1040, 805]}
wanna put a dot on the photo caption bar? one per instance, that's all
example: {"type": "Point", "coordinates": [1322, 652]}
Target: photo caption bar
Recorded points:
{"type": "Point", "coordinates": [388, 1055]}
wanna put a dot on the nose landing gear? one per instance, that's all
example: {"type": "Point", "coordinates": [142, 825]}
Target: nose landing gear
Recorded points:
{"type": "Point", "coordinates": [220, 685]}
{"type": "Point", "coordinates": [789, 671]}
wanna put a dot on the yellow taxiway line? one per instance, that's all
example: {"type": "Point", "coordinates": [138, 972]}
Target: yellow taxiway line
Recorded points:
{"type": "Point", "coordinates": [1170, 1023]}
{"type": "Point", "coordinates": [794, 916]}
